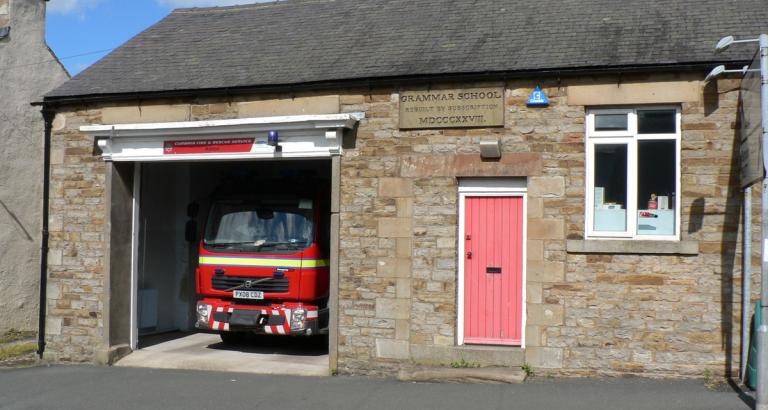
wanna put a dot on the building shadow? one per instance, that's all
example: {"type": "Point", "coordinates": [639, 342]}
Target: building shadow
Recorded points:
{"type": "Point", "coordinates": [744, 395]}
{"type": "Point", "coordinates": [15, 219]}
{"type": "Point", "coordinates": [728, 251]}
{"type": "Point", "coordinates": [696, 218]}
{"type": "Point", "coordinates": [279, 345]}
{"type": "Point", "coordinates": [261, 344]}
{"type": "Point", "coordinates": [158, 338]}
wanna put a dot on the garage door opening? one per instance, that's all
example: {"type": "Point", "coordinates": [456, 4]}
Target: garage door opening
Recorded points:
{"type": "Point", "coordinates": [232, 265]}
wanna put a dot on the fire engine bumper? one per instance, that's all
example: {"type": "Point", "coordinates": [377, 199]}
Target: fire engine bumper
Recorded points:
{"type": "Point", "coordinates": [276, 319]}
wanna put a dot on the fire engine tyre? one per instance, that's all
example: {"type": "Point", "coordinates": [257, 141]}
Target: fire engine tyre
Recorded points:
{"type": "Point", "coordinates": [233, 338]}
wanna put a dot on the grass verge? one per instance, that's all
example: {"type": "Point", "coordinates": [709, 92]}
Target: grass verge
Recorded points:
{"type": "Point", "coordinates": [14, 335]}
{"type": "Point", "coordinates": [13, 351]}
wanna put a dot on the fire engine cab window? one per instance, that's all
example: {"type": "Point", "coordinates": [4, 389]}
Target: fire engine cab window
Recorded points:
{"type": "Point", "coordinates": [252, 225]}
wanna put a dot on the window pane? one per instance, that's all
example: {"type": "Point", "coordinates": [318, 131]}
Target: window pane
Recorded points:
{"type": "Point", "coordinates": [656, 122]}
{"type": "Point", "coordinates": [656, 196]}
{"type": "Point", "coordinates": [610, 188]}
{"type": "Point", "coordinates": [610, 122]}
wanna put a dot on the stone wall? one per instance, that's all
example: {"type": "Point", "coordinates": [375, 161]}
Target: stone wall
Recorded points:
{"type": "Point", "coordinates": [587, 313]}
{"type": "Point", "coordinates": [28, 71]}
{"type": "Point", "coordinates": [5, 16]}
{"type": "Point", "coordinates": [76, 328]}
{"type": "Point", "coordinates": [663, 315]}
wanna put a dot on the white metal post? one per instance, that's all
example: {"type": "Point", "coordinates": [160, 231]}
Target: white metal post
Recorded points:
{"type": "Point", "coordinates": [762, 331]}
{"type": "Point", "coordinates": [746, 275]}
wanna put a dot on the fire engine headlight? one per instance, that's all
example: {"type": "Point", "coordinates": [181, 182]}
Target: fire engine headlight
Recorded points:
{"type": "Point", "coordinates": [298, 317]}
{"type": "Point", "coordinates": [203, 314]}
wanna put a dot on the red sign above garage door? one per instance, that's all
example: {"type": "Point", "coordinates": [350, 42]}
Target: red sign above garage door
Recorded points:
{"type": "Point", "coordinates": [203, 146]}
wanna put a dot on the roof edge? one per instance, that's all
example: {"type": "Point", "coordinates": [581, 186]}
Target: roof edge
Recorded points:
{"type": "Point", "coordinates": [235, 7]}
{"type": "Point", "coordinates": [57, 101]}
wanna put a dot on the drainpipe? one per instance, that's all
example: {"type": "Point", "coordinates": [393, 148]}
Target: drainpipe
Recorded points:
{"type": "Point", "coordinates": [761, 402]}
{"type": "Point", "coordinates": [746, 277]}
{"type": "Point", "coordinates": [48, 120]}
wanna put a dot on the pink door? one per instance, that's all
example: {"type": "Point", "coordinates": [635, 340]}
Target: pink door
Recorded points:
{"type": "Point", "coordinates": [493, 270]}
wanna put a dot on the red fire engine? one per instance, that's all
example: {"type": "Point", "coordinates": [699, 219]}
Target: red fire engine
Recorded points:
{"type": "Point", "coordinates": [263, 267]}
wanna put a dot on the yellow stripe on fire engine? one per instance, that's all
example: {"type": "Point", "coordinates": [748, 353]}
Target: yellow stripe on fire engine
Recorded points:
{"type": "Point", "coordinates": [264, 262]}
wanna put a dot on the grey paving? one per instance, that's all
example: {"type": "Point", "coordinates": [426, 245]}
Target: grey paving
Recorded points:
{"type": "Point", "coordinates": [84, 387]}
{"type": "Point", "coordinates": [203, 351]}
{"type": "Point", "coordinates": [315, 41]}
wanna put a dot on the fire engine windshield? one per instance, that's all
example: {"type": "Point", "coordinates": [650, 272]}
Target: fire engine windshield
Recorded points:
{"type": "Point", "coordinates": [260, 226]}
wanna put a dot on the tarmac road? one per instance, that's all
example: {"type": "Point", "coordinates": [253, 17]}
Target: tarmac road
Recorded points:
{"type": "Point", "coordinates": [88, 387]}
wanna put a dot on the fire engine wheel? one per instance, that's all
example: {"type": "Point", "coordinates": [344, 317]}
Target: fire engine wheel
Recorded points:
{"type": "Point", "coordinates": [232, 338]}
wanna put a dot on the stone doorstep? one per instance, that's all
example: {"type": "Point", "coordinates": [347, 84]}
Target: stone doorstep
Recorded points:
{"type": "Point", "coordinates": [488, 356]}
{"type": "Point", "coordinates": [469, 375]}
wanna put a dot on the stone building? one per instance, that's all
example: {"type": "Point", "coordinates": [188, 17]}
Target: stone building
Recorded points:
{"type": "Point", "coordinates": [28, 70]}
{"type": "Point", "coordinates": [583, 131]}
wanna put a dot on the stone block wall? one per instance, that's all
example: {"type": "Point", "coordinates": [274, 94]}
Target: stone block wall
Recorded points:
{"type": "Point", "coordinates": [78, 225]}
{"type": "Point", "coordinates": [5, 13]}
{"type": "Point", "coordinates": [669, 315]}
{"type": "Point", "coordinates": [664, 315]}
{"type": "Point", "coordinates": [634, 313]}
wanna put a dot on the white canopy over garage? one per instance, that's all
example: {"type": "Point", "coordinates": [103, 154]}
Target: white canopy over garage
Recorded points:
{"type": "Point", "coordinates": [299, 136]}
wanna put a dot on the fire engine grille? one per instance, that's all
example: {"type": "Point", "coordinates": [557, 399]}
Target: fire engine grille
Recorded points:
{"type": "Point", "coordinates": [271, 285]}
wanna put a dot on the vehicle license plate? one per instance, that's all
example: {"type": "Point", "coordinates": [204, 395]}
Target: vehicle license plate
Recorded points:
{"type": "Point", "coordinates": [248, 294]}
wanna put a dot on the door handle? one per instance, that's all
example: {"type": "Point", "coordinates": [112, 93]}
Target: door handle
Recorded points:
{"type": "Point", "coordinates": [469, 254]}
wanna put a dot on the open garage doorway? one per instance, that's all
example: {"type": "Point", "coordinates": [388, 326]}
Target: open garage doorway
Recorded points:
{"type": "Point", "coordinates": [209, 231]}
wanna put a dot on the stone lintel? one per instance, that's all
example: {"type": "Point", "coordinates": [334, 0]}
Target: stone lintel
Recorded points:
{"type": "Point", "coordinates": [628, 246]}
{"type": "Point", "coordinates": [634, 93]}
{"type": "Point", "coordinates": [471, 165]}
{"type": "Point", "coordinates": [322, 104]}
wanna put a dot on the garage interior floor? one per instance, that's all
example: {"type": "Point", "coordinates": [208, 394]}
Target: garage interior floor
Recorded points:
{"type": "Point", "coordinates": [260, 355]}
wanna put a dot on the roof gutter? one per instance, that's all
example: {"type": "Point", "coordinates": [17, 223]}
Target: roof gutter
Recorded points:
{"type": "Point", "coordinates": [52, 102]}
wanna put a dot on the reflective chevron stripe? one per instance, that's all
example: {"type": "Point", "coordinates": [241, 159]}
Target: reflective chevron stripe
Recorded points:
{"type": "Point", "coordinates": [262, 262]}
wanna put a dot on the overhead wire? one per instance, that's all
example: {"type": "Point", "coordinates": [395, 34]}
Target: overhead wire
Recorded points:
{"type": "Point", "coordinates": [56, 59]}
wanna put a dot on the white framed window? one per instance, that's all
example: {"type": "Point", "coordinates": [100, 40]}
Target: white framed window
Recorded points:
{"type": "Point", "coordinates": [633, 173]}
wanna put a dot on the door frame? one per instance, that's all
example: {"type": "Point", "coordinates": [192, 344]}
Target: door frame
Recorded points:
{"type": "Point", "coordinates": [489, 187]}
{"type": "Point", "coordinates": [135, 241]}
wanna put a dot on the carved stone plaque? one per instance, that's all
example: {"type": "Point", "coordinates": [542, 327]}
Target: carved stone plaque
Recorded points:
{"type": "Point", "coordinates": [452, 108]}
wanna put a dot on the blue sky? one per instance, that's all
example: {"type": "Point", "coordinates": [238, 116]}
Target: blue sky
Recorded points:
{"type": "Point", "coordinates": [81, 32]}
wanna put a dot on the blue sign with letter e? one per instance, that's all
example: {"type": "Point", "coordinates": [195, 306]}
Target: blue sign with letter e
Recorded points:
{"type": "Point", "coordinates": [538, 98]}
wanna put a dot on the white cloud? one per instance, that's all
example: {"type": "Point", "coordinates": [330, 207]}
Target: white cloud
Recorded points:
{"type": "Point", "coordinates": [70, 6]}
{"type": "Point", "coordinates": [207, 3]}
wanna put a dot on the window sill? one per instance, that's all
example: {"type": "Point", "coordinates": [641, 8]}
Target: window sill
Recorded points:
{"type": "Point", "coordinates": [632, 247]}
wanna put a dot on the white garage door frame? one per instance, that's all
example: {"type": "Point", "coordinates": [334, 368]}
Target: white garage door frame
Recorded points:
{"type": "Point", "coordinates": [300, 137]}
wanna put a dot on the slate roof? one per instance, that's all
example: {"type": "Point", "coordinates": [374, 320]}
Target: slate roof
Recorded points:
{"type": "Point", "coordinates": [299, 42]}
